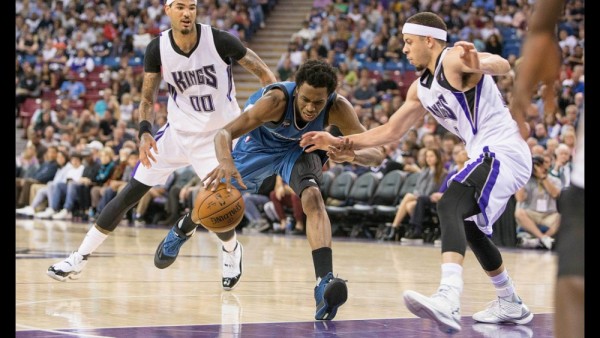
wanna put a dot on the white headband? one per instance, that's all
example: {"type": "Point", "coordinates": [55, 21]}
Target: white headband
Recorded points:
{"type": "Point", "coordinates": [169, 2]}
{"type": "Point", "coordinates": [421, 30]}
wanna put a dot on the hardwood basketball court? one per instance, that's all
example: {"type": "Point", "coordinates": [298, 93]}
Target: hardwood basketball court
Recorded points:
{"type": "Point", "coordinates": [122, 294]}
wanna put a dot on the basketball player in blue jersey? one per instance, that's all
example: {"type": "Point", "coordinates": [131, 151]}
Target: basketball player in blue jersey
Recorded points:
{"type": "Point", "coordinates": [195, 61]}
{"type": "Point", "coordinates": [539, 63]}
{"type": "Point", "coordinates": [269, 132]}
{"type": "Point", "coordinates": [457, 88]}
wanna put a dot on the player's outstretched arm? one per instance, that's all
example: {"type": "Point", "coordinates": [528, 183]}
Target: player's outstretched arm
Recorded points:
{"type": "Point", "coordinates": [399, 123]}
{"type": "Point", "coordinates": [269, 107]}
{"type": "Point", "coordinates": [343, 116]}
{"type": "Point", "coordinates": [540, 59]}
{"type": "Point", "coordinates": [468, 60]}
{"type": "Point", "coordinates": [255, 65]}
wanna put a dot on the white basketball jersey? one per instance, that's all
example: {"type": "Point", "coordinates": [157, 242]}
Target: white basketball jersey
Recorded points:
{"type": "Point", "coordinates": [201, 88]}
{"type": "Point", "coordinates": [479, 116]}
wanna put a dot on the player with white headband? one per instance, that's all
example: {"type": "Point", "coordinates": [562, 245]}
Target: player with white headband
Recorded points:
{"type": "Point", "coordinates": [457, 88]}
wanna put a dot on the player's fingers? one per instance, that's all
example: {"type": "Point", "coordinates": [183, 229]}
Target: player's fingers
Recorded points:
{"type": "Point", "coordinates": [151, 157]}
{"type": "Point", "coordinates": [310, 148]}
{"type": "Point", "coordinates": [238, 178]}
{"type": "Point", "coordinates": [154, 146]}
{"type": "Point", "coordinates": [218, 179]}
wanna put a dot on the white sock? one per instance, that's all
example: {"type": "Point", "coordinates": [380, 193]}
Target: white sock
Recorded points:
{"type": "Point", "coordinates": [230, 245]}
{"type": "Point", "coordinates": [452, 276]}
{"type": "Point", "coordinates": [92, 241]}
{"type": "Point", "coordinates": [504, 286]}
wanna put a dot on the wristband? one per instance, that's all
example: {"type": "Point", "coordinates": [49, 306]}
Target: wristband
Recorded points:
{"type": "Point", "coordinates": [145, 127]}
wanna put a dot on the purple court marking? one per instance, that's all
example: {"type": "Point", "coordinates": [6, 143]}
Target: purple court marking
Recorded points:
{"type": "Point", "coordinates": [540, 327]}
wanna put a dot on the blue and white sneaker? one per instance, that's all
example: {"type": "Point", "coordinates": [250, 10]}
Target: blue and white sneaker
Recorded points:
{"type": "Point", "coordinates": [330, 293]}
{"type": "Point", "coordinates": [168, 249]}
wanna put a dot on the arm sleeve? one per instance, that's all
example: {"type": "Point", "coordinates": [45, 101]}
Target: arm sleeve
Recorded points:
{"type": "Point", "coordinates": [152, 57]}
{"type": "Point", "coordinates": [228, 46]}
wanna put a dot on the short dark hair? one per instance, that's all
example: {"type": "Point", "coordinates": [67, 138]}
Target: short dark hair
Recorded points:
{"type": "Point", "coordinates": [318, 74]}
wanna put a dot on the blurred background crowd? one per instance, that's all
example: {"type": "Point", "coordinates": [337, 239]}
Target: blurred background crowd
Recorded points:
{"type": "Point", "coordinates": [78, 76]}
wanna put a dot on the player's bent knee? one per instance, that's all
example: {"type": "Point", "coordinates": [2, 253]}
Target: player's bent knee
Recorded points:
{"type": "Point", "coordinates": [312, 200]}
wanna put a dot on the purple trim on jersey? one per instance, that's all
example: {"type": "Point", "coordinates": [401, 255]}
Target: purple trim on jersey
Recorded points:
{"type": "Point", "coordinates": [463, 174]}
{"type": "Point", "coordinates": [462, 100]}
{"type": "Point", "coordinates": [135, 168]}
{"type": "Point", "coordinates": [161, 132]}
{"type": "Point", "coordinates": [484, 198]}
{"type": "Point", "coordinates": [230, 82]}
{"type": "Point", "coordinates": [157, 137]}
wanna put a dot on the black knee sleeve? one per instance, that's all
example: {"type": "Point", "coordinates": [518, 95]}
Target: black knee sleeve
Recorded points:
{"type": "Point", "coordinates": [457, 203]}
{"type": "Point", "coordinates": [484, 249]}
{"type": "Point", "coordinates": [113, 212]}
{"type": "Point", "coordinates": [307, 172]}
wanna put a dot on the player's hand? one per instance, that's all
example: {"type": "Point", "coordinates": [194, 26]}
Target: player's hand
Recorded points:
{"type": "Point", "coordinates": [147, 143]}
{"type": "Point", "coordinates": [315, 140]}
{"type": "Point", "coordinates": [343, 152]}
{"type": "Point", "coordinates": [225, 170]}
{"type": "Point", "coordinates": [469, 54]}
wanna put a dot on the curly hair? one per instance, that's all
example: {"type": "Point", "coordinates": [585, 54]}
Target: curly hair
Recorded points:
{"type": "Point", "coordinates": [318, 74]}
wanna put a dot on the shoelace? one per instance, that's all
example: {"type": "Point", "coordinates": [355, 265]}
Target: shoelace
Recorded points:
{"type": "Point", "coordinates": [171, 243]}
{"type": "Point", "coordinates": [442, 291]}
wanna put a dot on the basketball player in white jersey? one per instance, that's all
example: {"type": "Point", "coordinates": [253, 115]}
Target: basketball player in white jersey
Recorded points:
{"type": "Point", "coordinates": [457, 88]}
{"type": "Point", "coordinates": [540, 63]}
{"type": "Point", "coordinates": [195, 60]}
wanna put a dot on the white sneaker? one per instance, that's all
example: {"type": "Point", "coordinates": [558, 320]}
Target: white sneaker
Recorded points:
{"type": "Point", "coordinates": [547, 242]}
{"type": "Point", "coordinates": [443, 307]}
{"type": "Point", "coordinates": [63, 214]}
{"type": "Point", "coordinates": [69, 268]}
{"type": "Point", "coordinates": [502, 311]}
{"type": "Point", "coordinates": [529, 243]}
{"type": "Point", "coordinates": [25, 211]}
{"type": "Point", "coordinates": [45, 214]}
{"type": "Point", "coordinates": [232, 267]}
{"type": "Point", "coordinates": [503, 331]}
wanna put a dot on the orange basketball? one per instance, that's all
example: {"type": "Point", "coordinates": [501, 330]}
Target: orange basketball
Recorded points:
{"type": "Point", "coordinates": [219, 210]}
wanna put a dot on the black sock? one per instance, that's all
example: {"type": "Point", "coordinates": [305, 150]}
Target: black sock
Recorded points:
{"type": "Point", "coordinates": [323, 261]}
{"type": "Point", "coordinates": [186, 224]}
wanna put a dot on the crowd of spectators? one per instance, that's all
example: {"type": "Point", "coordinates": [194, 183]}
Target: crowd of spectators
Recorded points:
{"type": "Point", "coordinates": [83, 61]}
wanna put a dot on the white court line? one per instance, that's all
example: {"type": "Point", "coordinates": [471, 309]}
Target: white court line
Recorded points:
{"type": "Point", "coordinates": [77, 334]}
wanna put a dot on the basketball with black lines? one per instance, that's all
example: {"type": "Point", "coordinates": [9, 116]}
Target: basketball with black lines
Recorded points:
{"type": "Point", "coordinates": [219, 210]}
